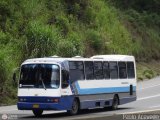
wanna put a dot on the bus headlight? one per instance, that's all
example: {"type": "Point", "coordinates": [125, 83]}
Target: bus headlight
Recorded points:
{"type": "Point", "coordinates": [22, 100]}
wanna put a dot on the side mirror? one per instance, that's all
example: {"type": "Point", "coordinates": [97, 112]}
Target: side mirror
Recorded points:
{"type": "Point", "coordinates": [14, 77]}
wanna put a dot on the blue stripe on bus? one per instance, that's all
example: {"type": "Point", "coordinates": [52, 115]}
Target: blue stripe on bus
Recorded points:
{"type": "Point", "coordinates": [103, 90]}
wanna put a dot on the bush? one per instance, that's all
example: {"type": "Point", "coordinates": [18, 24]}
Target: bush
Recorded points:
{"type": "Point", "coordinates": [148, 74]}
{"type": "Point", "coordinates": [4, 38]}
{"type": "Point", "coordinates": [140, 78]}
{"type": "Point", "coordinates": [3, 74]}
{"type": "Point", "coordinates": [94, 39]}
{"type": "Point", "coordinates": [77, 41]}
{"type": "Point", "coordinates": [41, 40]}
{"type": "Point", "coordinates": [63, 23]}
{"type": "Point", "coordinates": [65, 48]}
{"type": "Point", "coordinates": [148, 71]}
{"type": "Point", "coordinates": [4, 10]}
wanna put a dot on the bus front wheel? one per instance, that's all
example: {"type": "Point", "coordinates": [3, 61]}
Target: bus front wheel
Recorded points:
{"type": "Point", "coordinates": [75, 107]}
{"type": "Point", "coordinates": [37, 113]}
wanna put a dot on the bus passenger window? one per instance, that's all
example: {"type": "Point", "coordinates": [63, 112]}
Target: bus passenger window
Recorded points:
{"type": "Point", "coordinates": [76, 70]}
{"type": "Point", "coordinates": [89, 70]}
{"type": "Point", "coordinates": [122, 70]}
{"type": "Point", "coordinates": [113, 70]}
{"type": "Point", "coordinates": [106, 71]}
{"type": "Point", "coordinates": [98, 71]}
{"type": "Point", "coordinates": [130, 70]}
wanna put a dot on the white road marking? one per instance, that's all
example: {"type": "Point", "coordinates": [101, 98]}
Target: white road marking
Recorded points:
{"type": "Point", "coordinates": [149, 97]}
{"type": "Point", "coordinates": [8, 110]}
{"type": "Point", "coordinates": [148, 87]}
{"type": "Point", "coordinates": [155, 106]}
{"type": "Point", "coordinates": [51, 112]}
{"type": "Point", "coordinates": [141, 111]}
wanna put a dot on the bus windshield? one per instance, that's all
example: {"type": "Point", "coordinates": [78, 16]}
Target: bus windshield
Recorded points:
{"type": "Point", "coordinates": [39, 76]}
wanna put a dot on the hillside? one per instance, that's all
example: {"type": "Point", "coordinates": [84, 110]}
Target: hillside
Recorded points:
{"type": "Point", "coordinates": [38, 28]}
{"type": "Point", "coordinates": [142, 19]}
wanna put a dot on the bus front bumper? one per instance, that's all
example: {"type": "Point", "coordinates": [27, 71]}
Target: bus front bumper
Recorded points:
{"type": "Point", "coordinates": [43, 106]}
{"type": "Point", "coordinates": [62, 103]}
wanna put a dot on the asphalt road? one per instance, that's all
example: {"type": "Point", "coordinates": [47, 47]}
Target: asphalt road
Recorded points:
{"type": "Point", "coordinates": [148, 100]}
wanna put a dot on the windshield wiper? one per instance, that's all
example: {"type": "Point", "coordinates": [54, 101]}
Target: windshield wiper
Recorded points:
{"type": "Point", "coordinates": [43, 84]}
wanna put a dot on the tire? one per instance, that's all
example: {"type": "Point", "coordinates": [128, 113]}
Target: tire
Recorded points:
{"type": "Point", "coordinates": [75, 108]}
{"type": "Point", "coordinates": [115, 103]}
{"type": "Point", "coordinates": [37, 113]}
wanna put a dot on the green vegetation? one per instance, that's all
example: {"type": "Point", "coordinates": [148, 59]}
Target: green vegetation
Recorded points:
{"type": "Point", "coordinates": [142, 20]}
{"type": "Point", "coordinates": [148, 70]}
{"type": "Point", "coordinates": [38, 28]}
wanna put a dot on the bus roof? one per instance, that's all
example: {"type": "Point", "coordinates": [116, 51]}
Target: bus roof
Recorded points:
{"type": "Point", "coordinates": [93, 58]}
{"type": "Point", "coordinates": [114, 57]}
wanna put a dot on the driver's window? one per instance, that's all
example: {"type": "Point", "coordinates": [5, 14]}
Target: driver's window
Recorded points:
{"type": "Point", "coordinates": [65, 78]}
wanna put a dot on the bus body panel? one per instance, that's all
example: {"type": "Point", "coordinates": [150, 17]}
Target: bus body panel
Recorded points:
{"type": "Point", "coordinates": [104, 86]}
{"type": "Point", "coordinates": [102, 91]}
{"type": "Point", "coordinates": [105, 100]}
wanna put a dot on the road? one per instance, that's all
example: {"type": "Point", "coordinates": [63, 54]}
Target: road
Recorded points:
{"type": "Point", "coordinates": [148, 100]}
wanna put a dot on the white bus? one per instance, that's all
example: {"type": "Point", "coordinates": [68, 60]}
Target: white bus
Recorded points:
{"type": "Point", "coordinates": [72, 84]}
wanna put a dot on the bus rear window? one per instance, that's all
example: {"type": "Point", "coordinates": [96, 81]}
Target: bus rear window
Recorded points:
{"type": "Point", "coordinates": [76, 70]}
{"type": "Point", "coordinates": [130, 70]}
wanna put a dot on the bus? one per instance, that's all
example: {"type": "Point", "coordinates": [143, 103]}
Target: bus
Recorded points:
{"type": "Point", "coordinates": [73, 84]}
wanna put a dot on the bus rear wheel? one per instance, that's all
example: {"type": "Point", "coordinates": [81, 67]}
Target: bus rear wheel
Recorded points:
{"type": "Point", "coordinates": [115, 102]}
{"type": "Point", "coordinates": [37, 113]}
{"type": "Point", "coordinates": [75, 107]}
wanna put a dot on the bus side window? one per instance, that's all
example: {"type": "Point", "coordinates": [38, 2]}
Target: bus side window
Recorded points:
{"type": "Point", "coordinates": [122, 70]}
{"type": "Point", "coordinates": [98, 71]}
{"type": "Point", "coordinates": [113, 70]}
{"type": "Point", "coordinates": [106, 71]}
{"type": "Point", "coordinates": [65, 78]}
{"type": "Point", "coordinates": [130, 70]}
{"type": "Point", "coordinates": [89, 70]}
{"type": "Point", "coordinates": [76, 70]}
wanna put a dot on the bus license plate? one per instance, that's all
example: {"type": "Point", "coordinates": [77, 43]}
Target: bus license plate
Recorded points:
{"type": "Point", "coordinates": [35, 106]}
